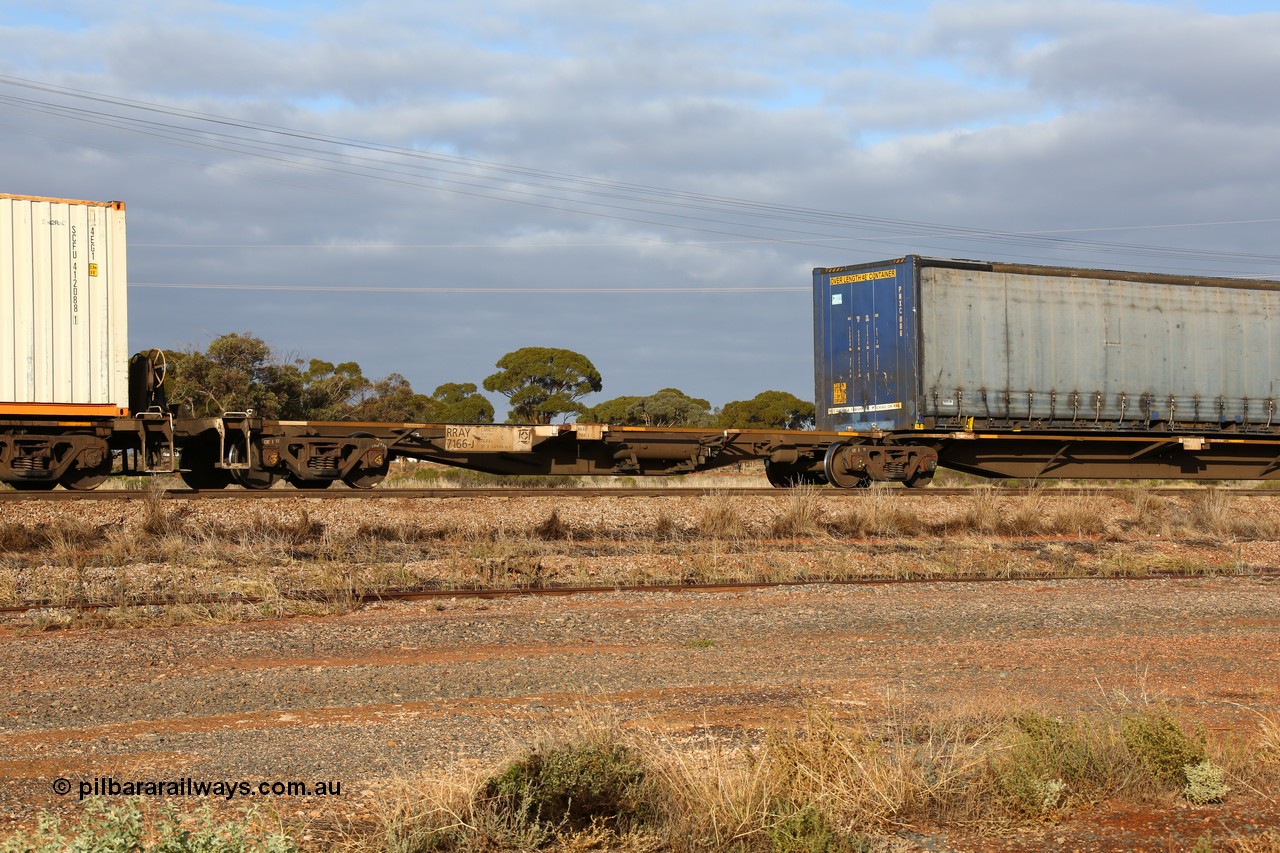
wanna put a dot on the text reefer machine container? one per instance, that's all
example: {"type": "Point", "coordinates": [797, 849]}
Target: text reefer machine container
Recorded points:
{"type": "Point", "coordinates": [63, 338]}
{"type": "Point", "coordinates": [928, 343]}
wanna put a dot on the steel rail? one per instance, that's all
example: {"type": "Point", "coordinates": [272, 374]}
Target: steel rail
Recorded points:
{"type": "Point", "coordinates": [432, 593]}
{"type": "Point", "coordinates": [618, 492]}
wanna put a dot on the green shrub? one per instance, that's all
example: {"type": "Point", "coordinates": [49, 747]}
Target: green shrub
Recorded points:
{"type": "Point", "coordinates": [1205, 783]}
{"type": "Point", "coordinates": [806, 830]}
{"type": "Point", "coordinates": [573, 786]}
{"type": "Point", "coordinates": [1049, 760]}
{"type": "Point", "coordinates": [122, 829]}
{"type": "Point", "coordinates": [1156, 740]}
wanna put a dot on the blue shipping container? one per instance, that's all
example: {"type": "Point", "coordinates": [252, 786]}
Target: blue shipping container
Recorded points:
{"type": "Point", "coordinates": [865, 345]}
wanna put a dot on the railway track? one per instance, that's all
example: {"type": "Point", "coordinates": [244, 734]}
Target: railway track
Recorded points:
{"type": "Point", "coordinates": [356, 598]}
{"type": "Point", "coordinates": [578, 492]}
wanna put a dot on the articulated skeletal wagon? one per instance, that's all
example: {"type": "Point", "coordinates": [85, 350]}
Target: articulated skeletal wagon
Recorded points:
{"type": "Point", "coordinates": [1001, 370]}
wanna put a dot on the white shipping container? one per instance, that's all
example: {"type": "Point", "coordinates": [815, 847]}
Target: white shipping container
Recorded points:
{"type": "Point", "coordinates": [64, 335]}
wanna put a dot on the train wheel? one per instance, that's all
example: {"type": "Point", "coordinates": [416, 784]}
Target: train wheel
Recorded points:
{"type": "Point", "coordinates": [252, 477]}
{"type": "Point", "coordinates": [211, 478]}
{"type": "Point", "coordinates": [198, 471]}
{"type": "Point", "coordinates": [778, 475]}
{"type": "Point", "coordinates": [299, 483]}
{"type": "Point", "coordinates": [919, 480]}
{"type": "Point", "coordinates": [32, 485]}
{"type": "Point", "coordinates": [784, 476]}
{"type": "Point", "coordinates": [365, 478]}
{"type": "Point", "coordinates": [362, 477]}
{"type": "Point", "coordinates": [84, 479]}
{"type": "Point", "coordinates": [922, 465]}
{"type": "Point", "coordinates": [837, 473]}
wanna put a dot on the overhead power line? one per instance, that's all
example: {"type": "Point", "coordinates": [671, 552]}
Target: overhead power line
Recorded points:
{"type": "Point", "coordinates": [743, 220]}
{"type": "Point", "coordinates": [304, 289]}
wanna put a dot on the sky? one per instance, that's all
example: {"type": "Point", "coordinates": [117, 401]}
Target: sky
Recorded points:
{"type": "Point", "coordinates": [424, 187]}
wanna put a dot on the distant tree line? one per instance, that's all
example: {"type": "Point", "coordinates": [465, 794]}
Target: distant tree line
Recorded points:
{"type": "Point", "coordinates": [672, 407]}
{"type": "Point", "coordinates": [239, 372]}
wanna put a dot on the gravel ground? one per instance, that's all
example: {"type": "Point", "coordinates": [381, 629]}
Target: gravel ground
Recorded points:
{"type": "Point", "coordinates": [130, 550]}
{"type": "Point", "coordinates": [403, 689]}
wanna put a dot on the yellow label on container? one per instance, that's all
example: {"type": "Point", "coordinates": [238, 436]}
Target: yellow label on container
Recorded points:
{"type": "Point", "coordinates": [839, 393]}
{"type": "Point", "coordinates": [93, 269]}
{"type": "Point", "coordinates": [853, 278]}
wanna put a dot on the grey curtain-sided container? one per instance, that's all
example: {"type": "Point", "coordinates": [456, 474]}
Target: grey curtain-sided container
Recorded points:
{"type": "Point", "coordinates": [918, 340]}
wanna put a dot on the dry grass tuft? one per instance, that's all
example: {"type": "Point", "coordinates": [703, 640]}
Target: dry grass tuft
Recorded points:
{"type": "Point", "coordinates": [401, 532]}
{"type": "Point", "coordinates": [1150, 513]}
{"type": "Point", "coordinates": [878, 513]}
{"type": "Point", "coordinates": [1038, 513]}
{"type": "Point", "coordinates": [666, 529]}
{"type": "Point", "coordinates": [1269, 741]}
{"type": "Point", "coordinates": [721, 518]}
{"type": "Point", "coordinates": [553, 528]}
{"type": "Point", "coordinates": [1256, 760]}
{"type": "Point", "coordinates": [268, 530]}
{"type": "Point", "coordinates": [1081, 516]}
{"type": "Point", "coordinates": [1222, 515]}
{"type": "Point", "coordinates": [1215, 512]}
{"type": "Point", "coordinates": [160, 519]}
{"type": "Point", "coordinates": [1025, 516]}
{"type": "Point", "coordinates": [61, 536]}
{"type": "Point", "coordinates": [801, 517]}
{"type": "Point", "coordinates": [985, 513]}
{"type": "Point", "coordinates": [18, 537]}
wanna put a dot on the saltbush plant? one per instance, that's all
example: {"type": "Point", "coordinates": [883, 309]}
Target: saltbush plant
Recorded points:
{"type": "Point", "coordinates": [1206, 783]}
{"type": "Point", "coordinates": [807, 830]}
{"type": "Point", "coordinates": [123, 828]}
{"type": "Point", "coordinates": [1158, 741]}
{"type": "Point", "coordinates": [1050, 762]}
{"type": "Point", "coordinates": [573, 786]}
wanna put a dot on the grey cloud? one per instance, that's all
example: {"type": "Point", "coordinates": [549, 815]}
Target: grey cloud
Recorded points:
{"type": "Point", "coordinates": [1220, 67]}
{"type": "Point", "coordinates": [882, 102]}
{"type": "Point", "coordinates": [1085, 53]}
